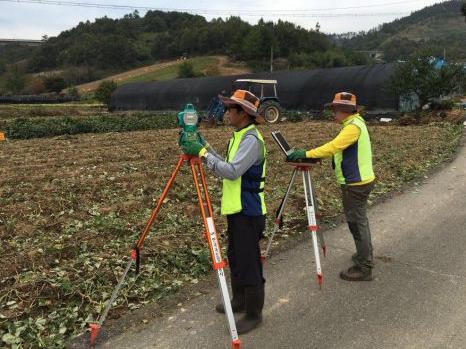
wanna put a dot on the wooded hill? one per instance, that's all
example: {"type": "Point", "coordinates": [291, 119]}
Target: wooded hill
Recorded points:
{"type": "Point", "coordinates": [437, 27]}
{"type": "Point", "coordinates": [93, 50]}
{"type": "Point", "coordinates": [117, 44]}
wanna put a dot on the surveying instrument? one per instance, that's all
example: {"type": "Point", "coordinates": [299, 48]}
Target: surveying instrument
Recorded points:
{"type": "Point", "coordinates": [304, 166]}
{"type": "Point", "coordinates": [188, 121]}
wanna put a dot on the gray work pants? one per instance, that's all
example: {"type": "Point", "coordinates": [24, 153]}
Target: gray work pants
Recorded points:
{"type": "Point", "coordinates": [355, 206]}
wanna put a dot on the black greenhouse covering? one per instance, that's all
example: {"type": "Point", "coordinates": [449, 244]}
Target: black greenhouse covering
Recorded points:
{"type": "Point", "coordinates": [297, 90]}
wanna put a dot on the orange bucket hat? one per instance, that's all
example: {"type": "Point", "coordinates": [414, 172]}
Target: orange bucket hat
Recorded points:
{"type": "Point", "coordinates": [247, 101]}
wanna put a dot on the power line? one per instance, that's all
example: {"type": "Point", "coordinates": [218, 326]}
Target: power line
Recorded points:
{"type": "Point", "coordinates": [244, 12]}
{"type": "Point", "coordinates": [326, 15]}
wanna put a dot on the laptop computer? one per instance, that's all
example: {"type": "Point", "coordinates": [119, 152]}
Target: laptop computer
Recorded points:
{"type": "Point", "coordinates": [287, 150]}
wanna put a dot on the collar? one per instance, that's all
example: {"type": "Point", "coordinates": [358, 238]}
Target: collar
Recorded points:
{"type": "Point", "coordinates": [349, 118]}
{"type": "Point", "coordinates": [249, 126]}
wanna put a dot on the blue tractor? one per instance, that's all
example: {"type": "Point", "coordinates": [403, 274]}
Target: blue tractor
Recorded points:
{"type": "Point", "coordinates": [266, 90]}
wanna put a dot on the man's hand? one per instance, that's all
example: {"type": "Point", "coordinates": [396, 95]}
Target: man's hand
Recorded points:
{"type": "Point", "coordinates": [191, 148]}
{"type": "Point", "coordinates": [297, 154]}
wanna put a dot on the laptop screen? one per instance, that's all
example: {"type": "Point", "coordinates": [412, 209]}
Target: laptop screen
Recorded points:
{"type": "Point", "coordinates": [282, 143]}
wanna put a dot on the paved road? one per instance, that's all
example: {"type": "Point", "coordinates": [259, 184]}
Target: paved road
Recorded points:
{"type": "Point", "coordinates": [417, 300]}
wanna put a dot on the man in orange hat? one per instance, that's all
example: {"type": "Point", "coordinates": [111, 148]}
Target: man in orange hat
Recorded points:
{"type": "Point", "coordinates": [243, 203]}
{"type": "Point", "coordinates": [352, 161]}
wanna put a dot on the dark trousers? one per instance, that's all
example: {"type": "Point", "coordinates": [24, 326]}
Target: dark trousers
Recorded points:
{"type": "Point", "coordinates": [355, 206]}
{"type": "Point", "coordinates": [244, 257]}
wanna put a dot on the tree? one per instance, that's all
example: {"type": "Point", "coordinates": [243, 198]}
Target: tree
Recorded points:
{"type": "Point", "coordinates": [2, 67]}
{"type": "Point", "coordinates": [419, 75]}
{"type": "Point", "coordinates": [37, 85]}
{"type": "Point", "coordinates": [463, 10]}
{"type": "Point", "coordinates": [186, 70]}
{"type": "Point", "coordinates": [73, 92]}
{"type": "Point", "coordinates": [154, 22]}
{"type": "Point", "coordinates": [15, 80]}
{"type": "Point", "coordinates": [55, 84]}
{"type": "Point", "coordinates": [399, 49]}
{"type": "Point", "coordinates": [116, 51]}
{"type": "Point", "coordinates": [257, 44]}
{"type": "Point", "coordinates": [161, 45]}
{"type": "Point", "coordinates": [105, 90]}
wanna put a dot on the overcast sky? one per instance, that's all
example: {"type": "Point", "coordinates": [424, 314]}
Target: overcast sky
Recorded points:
{"type": "Point", "coordinates": [23, 20]}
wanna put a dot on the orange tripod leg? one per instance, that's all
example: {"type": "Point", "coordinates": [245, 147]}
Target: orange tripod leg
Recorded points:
{"type": "Point", "coordinates": [94, 328]}
{"type": "Point", "coordinates": [215, 251]}
{"type": "Point", "coordinates": [156, 210]}
{"type": "Point", "coordinates": [211, 236]}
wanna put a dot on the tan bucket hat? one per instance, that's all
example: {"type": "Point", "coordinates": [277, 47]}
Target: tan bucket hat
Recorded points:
{"type": "Point", "coordinates": [344, 101]}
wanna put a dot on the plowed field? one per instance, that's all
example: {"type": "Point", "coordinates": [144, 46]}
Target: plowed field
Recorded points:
{"type": "Point", "coordinates": [71, 207]}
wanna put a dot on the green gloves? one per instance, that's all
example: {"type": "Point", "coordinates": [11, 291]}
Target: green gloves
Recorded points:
{"type": "Point", "coordinates": [297, 154]}
{"type": "Point", "coordinates": [191, 148]}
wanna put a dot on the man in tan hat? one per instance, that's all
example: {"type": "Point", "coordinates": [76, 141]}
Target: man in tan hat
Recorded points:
{"type": "Point", "coordinates": [243, 173]}
{"type": "Point", "coordinates": [352, 161]}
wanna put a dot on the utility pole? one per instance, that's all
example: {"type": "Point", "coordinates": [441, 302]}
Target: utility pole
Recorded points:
{"type": "Point", "coordinates": [271, 59]}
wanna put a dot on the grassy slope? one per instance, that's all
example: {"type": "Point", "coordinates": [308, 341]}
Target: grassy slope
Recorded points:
{"type": "Point", "coordinates": [166, 71]}
{"type": "Point", "coordinates": [200, 64]}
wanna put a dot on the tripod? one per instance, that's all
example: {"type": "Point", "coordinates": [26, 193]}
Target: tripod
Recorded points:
{"type": "Point", "coordinates": [311, 213]}
{"type": "Point", "coordinates": [210, 234]}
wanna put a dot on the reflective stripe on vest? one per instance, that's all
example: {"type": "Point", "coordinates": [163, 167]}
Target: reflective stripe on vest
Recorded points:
{"type": "Point", "coordinates": [354, 164]}
{"type": "Point", "coordinates": [246, 193]}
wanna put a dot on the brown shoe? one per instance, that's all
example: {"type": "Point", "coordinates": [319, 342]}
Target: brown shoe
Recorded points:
{"type": "Point", "coordinates": [355, 273]}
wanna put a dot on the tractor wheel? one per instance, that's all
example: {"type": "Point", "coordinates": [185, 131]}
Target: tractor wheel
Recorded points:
{"type": "Point", "coordinates": [270, 110]}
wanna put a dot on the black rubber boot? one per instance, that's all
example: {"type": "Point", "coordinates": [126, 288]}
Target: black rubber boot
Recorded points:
{"type": "Point", "coordinates": [254, 305]}
{"type": "Point", "coordinates": [237, 301]}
